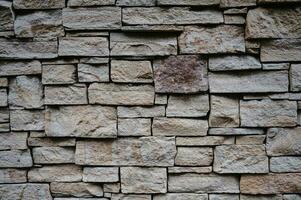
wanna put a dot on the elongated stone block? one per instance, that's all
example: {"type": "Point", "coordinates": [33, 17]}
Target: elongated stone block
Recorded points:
{"type": "Point", "coordinates": [37, 4]}
{"type": "Point", "coordinates": [12, 68]}
{"type": "Point", "coordinates": [12, 176]}
{"type": "Point", "coordinates": [24, 120]}
{"type": "Point", "coordinates": [15, 159]}
{"type": "Point", "coordinates": [180, 196]}
{"type": "Point", "coordinates": [76, 3]}
{"type": "Point", "coordinates": [194, 156]}
{"type": "Point", "coordinates": [285, 164]}
{"type": "Point", "coordinates": [228, 63]}
{"type": "Point", "coordinates": [13, 140]}
{"type": "Point", "coordinates": [101, 174]}
{"type": "Point", "coordinates": [77, 189]}
{"type": "Point", "coordinates": [189, 2]}
{"type": "Point", "coordinates": [52, 155]}
{"type": "Point", "coordinates": [25, 191]}
{"type": "Point", "coordinates": [140, 111]}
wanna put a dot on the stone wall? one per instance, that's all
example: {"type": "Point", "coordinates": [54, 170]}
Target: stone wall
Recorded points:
{"type": "Point", "coordinates": [150, 99]}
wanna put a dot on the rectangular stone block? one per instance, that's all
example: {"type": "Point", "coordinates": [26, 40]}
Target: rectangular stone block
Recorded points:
{"type": "Point", "coordinates": [55, 173]}
{"type": "Point", "coordinates": [12, 68]}
{"type": "Point", "coordinates": [101, 174]}
{"type": "Point", "coordinates": [179, 127]}
{"type": "Point", "coordinates": [285, 164]}
{"type": "Point", "coordinates": [194, 156]}
{"type": "Point", "coordinates": [38, 4]}
{"type": "Point", "coordinates": [25, 120]}
{"type": "Point", "coordinates": [26, 191]}
{"type": "Point", "coordinates": [271, 183]}
{"type": "Point", "coordinates": [295, 77]}
{"type": "Point", "coordinates": [134, 127]}
{"type": "Point", "coordinates": [78, 189]}
{"type": "Point", "coordinates": [143, 180]}
{"type": "Point", "coordinates": [261, 197]}
{"type": "Point", "coordinates": [240, 159]}
{"type": "Point", "coordinates": [50, 142]}
{"type": "Point", "coordinates": [223, 197]}
{"type": "Point", "coordinates": [249, 82]}
{"type": "Point", "coordinates": [203, 183]}
{"type": "Point", "coordinates": [283, 141]}
{"type": "Point", "coordinates": [173, 15]}
{"type": "Point", "coordinates": [250, 139]}
{"type": "Point", "coordinates": [13, 140]}
{"type": "Point", "coordinates": [131, 197]}
{"type": "Point", "coordinates": [235, 131]}
{"type": "Point", "coordinates": [73, 3]}
{"type": "Point", "coordinates": [15, 159]}
{"type": "Point", "coordinates": [180, 196]}
{"type": "Point", "coordinates": [16, 49]}
{"type": "Point", "coordinates": [66, 95]}
{"type": "Point", "coordinates": [7, 16]}
{"type": "Point", "coordinates": [228, 63]}
{"type": "Point", "coordinates": [3, 81]}
{"type": "Point", "coordinates": [281, 50]}
{"type": "Point", "coordinates": [81, 121]}
{"type": "Point", "coordinates": [12, 176]}
{"type": "Point", "coordinates": [189, 2]}
{"type": "Point", "coordinates": [147, 45]}
{"type": "Point", "coordinates": [181, 170]}
{"type": "Point", "coordinates": [96, 18]}
{"type": "Point", "coordinates": [83, 46]}
{"type": "Point", "coordinates": [268, 113]}
{"type": "Point", "coordinates": [3, 97]}
{"type": "Point", "coordinates": [136, 2]}
{"type": "Point", "coordinates": [139, 111]}
{"type": "Point", "coordinates": [58, 74]}
{"type": "Point", "coordinates": [52, 155]}
{"type": "Point", "coordinates": [93, 72]}
{"type": "Point", "coordinates": [212, 40]}
{"type": "Point", "coordinates": [114, 94]}
{"type": "Point", "coordinates": [204, 141]}
{"type": "Point", "coordinates": [237, 3]}
{"type": "Point", "coordinates": [142, 151]}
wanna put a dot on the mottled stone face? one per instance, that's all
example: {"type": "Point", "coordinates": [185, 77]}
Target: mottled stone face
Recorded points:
{"type": "Point", "coordinates": [180, 74]}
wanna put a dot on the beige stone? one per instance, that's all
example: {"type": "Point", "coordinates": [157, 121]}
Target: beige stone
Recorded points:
{"type": "Point", "coordinates": [25, 191]}
{"type": "Point", "coordinates": [11, 68]}
{"type": "Point", "coordinates": [15, 159]}
{"type": "Point", "coordinates": [181, 196]}
{"type": "Point", "coordinates": [52, 155]}
{"type": "Point", "coordinates": [37, 4]}
{"type": "Point", "coordinates": [58, 74]}
{"type": "Point", "coordinates": [24, 120]}
{"type": "Point", "coordinates": [139, 111]}
{"type": "Point", "coordinates": [93, 72]}
{"type": "Point", "coordinates": [101, 174]}
{"type": "Point", "coordinates": [78, 189]}
{"type": "Point", "coordinates": [13, 140]}
{"type": "Point", "coordinates": [204, 141]}
{"type": "Point", "coordinates": [194, 156]}
{"type": "Point", "coordinates": [134, 127]}
{"type": "Point", "coordinates": [12, 176]}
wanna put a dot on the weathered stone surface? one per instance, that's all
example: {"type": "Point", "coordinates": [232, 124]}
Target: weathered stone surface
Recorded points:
{"type": "Point", "coordinates": [50, 142]}
{"type": "Point", "coordinates": [114, 94]}
{"type": "Point", "coordinates": [275, 66]}
{"type": "Point", "coordinates": [209, 40]}
{"type": "Point", "coordinates": [285, 164]}
{"type": "Point", "coordinates": [55, 173]}
{"type": "Point", "coordinates": [13, 140]}
{"type": "Point", "coordinates": [189, 2]}
{"type": "Point", "coordinates": [295, 77]}
{"type": "Point", "coordinates": [180, 74]}
{"type": "Point", "coordinates": [273, 23]}
{"type": "Point", "coordinates": [143, 180]}
{"type": "Point", "coordinates": [267, 113]}
{"type": "Point", "coordinates": [223, 197]}
{"type": "Point", "coordinates": [201, 183]}
{"type": "Point", "coordinates": [134, 127]}
{"type": "Point", "coordinates": [152, 28]}
{"type": "Point", "coordinates": [72, 3]}
{"type": "Point", "coordinates": [4, 127]}
{"type": "Point", "coordinates": [12, 68]}
{"type": "Point", "coordinates": [66, 95]}
{"type": "Point", "coordinates": [39, 24]}
{"type": "Point", "coordinates": [3, 97]}
{"type": "Point", "coordinates": [139, 111]}
{"type": "Point", "coordinates": [111, 187]}
{"type": "Point", "coordinates": [25, 191]}
{"type": "Point", "coordinates": [52, 155]}
{"type": "Point", "coordinates": [100, 18]}
{"type": "Point", "coordinates": [234, 19]}
{"type": "Point", "coordinates": [147, 45]}
{"type": "Point", "coordinates": [143, 151]}
{"type": "Point", "coordinates": [15, 158]}
{"type": "Point", "coordinates": [83, 46]}
{"type": "Point", "coordinates": [6, 16]}
{"type": "Point", "coordinates": [204, 141]}
{"type": "Point", "coordinates": [187, 106]}
{"type": "Point", "coordinates": [130, 197]}
{"type": "Point", "coordinates": [235, 131]}
{"type": "Point", "coordinates": [179, 127]}
{"type": "Point", "coordinates": [281, 50]}
{"type": "Point", "coordinates": [249, 82]}
{"type": "Point", "coordinates": [16, 49]}
{"type": "Point", "coordinates": [136, 2]}
{"type": "Point", "coordinates": [123, 71]}
{"type": "Point", "coordinates": [58, 74]}
{"type": "Point", "coordinates": [283, 141]}
{"type": "Point", "coordinates": [181, 196]}
{"type": "Point", "coordinates": [101, 174]}
{"type": "Point", "coordinates": [180, 170]}
{"type": "Point", "coordinates": [260, 197]}
{"type": "Point", "coordinates": [76, 189]}
{"type": "Point", "coordinates": [3, 81]}
{"type": "Point", "coordinates": [24, 120]}
{"type": "Point", "coordinates": [271, 183]}
{"type": "Point", "coordinates": [37, 4]}
{"type": "Point", "coordinates": [81, 121]}
{"type": "Point", "coordinates": [291, 196]}
{"type": "Point", "coordinates": [174, 15]}
{"type": "Point", "coordinates": [12, 176]}
{"type": "Point", "coordinates": [237, 3]}
{"type": "Point", "coordinates": [4, 115]}
{"type": "Point", "coordinates": [25, 92]}
{"type": "Point", "coordinates": [224, 111]}
{"type": "Point", "coordinates": [194, 156]}
{"type": "Point", "coordinates": [240, 159]}
{"type": "Point", "coordinates": [161, 99]}
{"type": "Point", "coordinates": [93, 72]}
{"type": "Point", "coordinates": [276, 1]}
{"type": "Point", "coordinates": [225, 63]}
{"type": "Point", "coordinates": [250, 139]}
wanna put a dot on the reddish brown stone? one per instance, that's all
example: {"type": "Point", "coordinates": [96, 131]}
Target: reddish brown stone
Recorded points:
{"type": "Point", "coordinates": [180, 74]}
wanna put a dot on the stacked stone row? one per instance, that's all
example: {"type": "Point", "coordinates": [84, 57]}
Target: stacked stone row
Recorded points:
{"type": "Point", "coordinates": [150, 100]}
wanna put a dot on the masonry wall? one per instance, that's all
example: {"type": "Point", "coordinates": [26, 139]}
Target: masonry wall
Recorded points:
{"type": "Point", "coordinates": [150, 100]}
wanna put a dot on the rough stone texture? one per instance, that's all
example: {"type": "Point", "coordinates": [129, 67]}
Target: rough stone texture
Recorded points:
{"type": "Point", "coordinates": [139, 111]}
{"type": "Point", "coordinates": [187, 106]}
{"type": "Point", "coordinates": [228, 63]}
{"type": "Point", "coordinates": [295, 77]}
{"type": "Point", "coordinates": [267, 113]}
{"type": "Point", "coordinates": [81, 121]}
{"type": "Point", "coordinates": [134, 127]}
{"type": "Point", "coordinates": [194, 156]}
{"type": "Point", "coordinates": [83, 46]}
{"type": "Point", "coordinates": [114, 94]}
{"type": "Point", "coordinates": [24, 120]}
{"type": "Point", "coordinates": [250, 139]}
{"type": "Point", "coordinates": [6, 16]}
{"type": "Point", "coordinates": [50, 142]}
{"type": "Point", "coordinates": [283, 141]}
{"type": "Point", "coordinates": [25, 92]}
{"type": "Point", "coordinates": [90, 3]}
{"type": "Point", "coordinates": [130, 197]}
{"type": "Point", "coordinates": [76, 189]}
{"type": "Point", "coordinates": [15, 158]}
{"type": "Point", "coordinates": [249, 82]}
{"type": "Point", "coordinates": [179, 16]}
{"type": "Point", "coordinates": [58, 74]}
{"type": "Point", "coordinates": [291, 197]}
{"type": "Point", "coordinates": [224, 111]}
{"type": "Point", "coordinates": [179, 127]}
{"type": "Point", "coordinates": [37, 4]}
{"type": "Point", "coordinates": [52, 155]}
{"type": "Point", "coordinates": [123, 71]}
{"type": "Point", "coordinates": [93, 73]}
{"type": "Point", "coordinates": [270, 183]}
{"type": "Point", "coordinates": [273, 23]}
{"type": "Point", "coordinates": [200, 183]}
{"type": "Point", "coordinates": [25, 191]}
{"type": "Point", "coordinates": [12, 176]}
{"type": "Point", "coordinates": [188, 2]}
{"type": "Point", "coordinates": [11, 68]}
{"type": "Point", "coordinates": [13, 140]}
{"type": "Point", "coordinates": [186, 169]}
{"type": "Point", "coordinates": [235, 131]}
{"type": "Point", "coordinates": [3, 98]}
{"type": "Point", "coordinates": [181, 196]}
{"type": "Point", "coordinates": [260, 197]}
{"type": "Point", "coordinates": [285, 164]}
{"type": "Point", "coordinates": [237, 3]}
{"type": "Point", "coordinates": [143, 180]}
{"type": "Point", "coordinates": [208, 40]}
{"type": "Point", "coordinates": [101, 174]}
{"type": "Point", "coordinates": [204, 141]}
{"type": "Point", "coordinates": [223, 197]}
{"type": "Point", "coordinates": [240, 159]}
{"type": "Point", "coordinates": [148, 45]}
{"type": "Point", "coordinates": [143, 151]}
